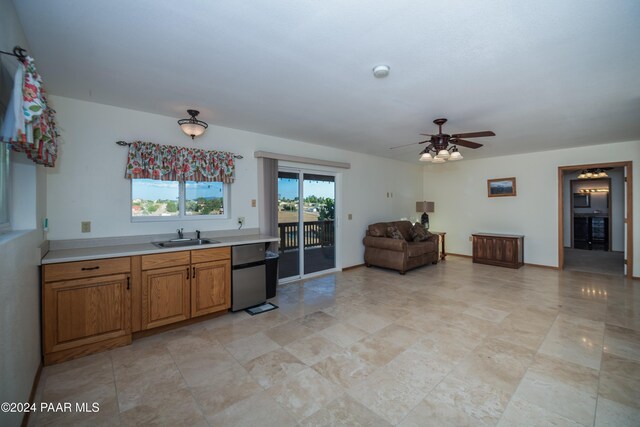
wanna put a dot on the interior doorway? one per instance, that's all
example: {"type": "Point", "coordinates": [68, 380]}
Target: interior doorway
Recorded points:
{"type": "Point", "coordinates": [306, 222]}
{"type": "Point", "coordinates": [594, 218]}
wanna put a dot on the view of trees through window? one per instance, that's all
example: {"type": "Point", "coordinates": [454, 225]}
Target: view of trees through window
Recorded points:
{"type": "Point", "coordinates": [204, 198]}
{"type": "Point", "coordinates": [151, 198]}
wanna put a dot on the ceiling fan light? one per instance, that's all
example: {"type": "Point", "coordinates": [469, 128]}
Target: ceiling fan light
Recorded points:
{"type": "Point", "coordinates": [437, 159]}
{"type": "Point", "coordinates": [443, 154]}
{"type": "Point", "coordinates": [455, 156]}
{"type": "Point", "coordinates": [426, 157]}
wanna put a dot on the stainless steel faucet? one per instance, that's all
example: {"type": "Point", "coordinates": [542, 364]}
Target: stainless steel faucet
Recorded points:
{"type": "Point", "coordinates": [198, 234]}
{"type": "Point", "coordinates": [180, 234]}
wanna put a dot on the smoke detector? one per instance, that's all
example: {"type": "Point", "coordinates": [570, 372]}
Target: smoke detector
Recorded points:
{"type": "Point", "coordinates": [381, 71]}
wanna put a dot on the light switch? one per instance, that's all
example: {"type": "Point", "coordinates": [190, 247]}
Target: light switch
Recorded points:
{"type": "Point", "coordinates": [253, 203]}
{"type": "Point", "coordinates": [85, 226]}
{"type": "Point", "coordinates": [350, 216]}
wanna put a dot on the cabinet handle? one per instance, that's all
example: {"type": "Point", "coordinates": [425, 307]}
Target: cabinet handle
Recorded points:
{"type": "Point", "coordinates": [193, 273]}
{"type": "Point", "coordinates": [128, 283]}
{"type": "Point", "coordinates": [187, 272]}
{"type": "Point", "coordinates": [90, 268]}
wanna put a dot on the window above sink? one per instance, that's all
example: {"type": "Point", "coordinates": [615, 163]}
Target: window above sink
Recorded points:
{"type": "Point", "coordinates": [153, 200]}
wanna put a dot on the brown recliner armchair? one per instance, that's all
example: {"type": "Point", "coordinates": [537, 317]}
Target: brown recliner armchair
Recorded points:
{"type": "Point", "coordinates": [402, 255]}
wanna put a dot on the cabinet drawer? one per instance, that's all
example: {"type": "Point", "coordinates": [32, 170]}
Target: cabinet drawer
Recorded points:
{"type": "Point", "coordinates": [169, 259]}
{"type": "Point", "coordinates": [81, 269]}
{"type": "Point", "coordinates": [214, 254]}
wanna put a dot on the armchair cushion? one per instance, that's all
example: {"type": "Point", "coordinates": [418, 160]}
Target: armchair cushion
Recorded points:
{"type": "Point", "coordinates": [394, 233]}
{"type": "Point", "coordinates": [378, 230]}
{"type": "Point", "coordinates": [403, 227]}
{"type": "Point", "coordinates": [418, 233]}
{"type": "Point", "coordinates": [385, 243]}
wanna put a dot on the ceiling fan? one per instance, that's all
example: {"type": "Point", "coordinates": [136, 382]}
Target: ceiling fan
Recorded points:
{"type": "Point", "coordinates": [444, 146]}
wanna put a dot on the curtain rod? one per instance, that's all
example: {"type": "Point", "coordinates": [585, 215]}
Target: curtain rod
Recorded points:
{"type": "Point", "coordinates": [126, 144]}
{"type": "Point", "coordinates": [18, 52]}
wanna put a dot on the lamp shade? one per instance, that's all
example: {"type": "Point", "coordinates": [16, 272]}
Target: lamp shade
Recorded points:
{"type": "Point", "coordinates": [192, 126]}
{"type": "Point", "coordinates": [455, 156]}
{"type": "Point", "coordinates": [425, 206]}
{"type": "Point", "coordinates": [443, 154]}
{"type": "Point", "coordinates": [426, 157]}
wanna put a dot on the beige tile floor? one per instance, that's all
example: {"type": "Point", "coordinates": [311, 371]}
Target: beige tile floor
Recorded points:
{"type": "Point", "coordinates": [452, 344]}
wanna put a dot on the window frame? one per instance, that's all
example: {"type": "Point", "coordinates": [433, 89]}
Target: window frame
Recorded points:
{"type": "Point", "coordinates": [182, 216]}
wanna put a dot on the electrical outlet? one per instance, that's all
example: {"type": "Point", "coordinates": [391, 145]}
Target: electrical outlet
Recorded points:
{"type": "Point", "coordinates": [85, 226]}
{"type": "Point", "coordinates": [350, 216]}
{"type": "Point", "coordinates": [253, 203]}
{"type": "Point", "coordinates": [241, 220]}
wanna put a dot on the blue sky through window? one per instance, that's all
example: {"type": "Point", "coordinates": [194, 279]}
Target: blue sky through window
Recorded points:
{"type": "Point", "coordinates": [149, 189]}
{"type": "Point", "coordinates": [288, 188]}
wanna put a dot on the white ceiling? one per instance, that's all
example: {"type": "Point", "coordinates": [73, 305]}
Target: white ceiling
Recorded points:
{"type": "Point", "coordinates": [541, 74]}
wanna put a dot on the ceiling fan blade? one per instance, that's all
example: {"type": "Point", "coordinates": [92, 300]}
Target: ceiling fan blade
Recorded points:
{"type": "Point", "coordinates": [464, 143]}
{"type": "Point", "coordinates": [473, 134]}
{"type": "Point", "coordinates": [407, 145]}
{"type": "Point", "coordinates": [426, 134]}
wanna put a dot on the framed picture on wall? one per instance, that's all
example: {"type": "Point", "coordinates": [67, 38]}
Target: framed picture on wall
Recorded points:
{"type": "Point", "coordinates": [501, 187]}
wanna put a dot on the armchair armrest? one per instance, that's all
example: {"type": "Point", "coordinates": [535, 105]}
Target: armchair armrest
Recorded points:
{"type": "Point", "coordinates": [433, 238]}
{"type": "Point", "coordinates": [385, 243]}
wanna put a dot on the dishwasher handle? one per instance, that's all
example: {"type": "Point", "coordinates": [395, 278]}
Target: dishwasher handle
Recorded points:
{"type": "Point", "coordinates": [249, 265]}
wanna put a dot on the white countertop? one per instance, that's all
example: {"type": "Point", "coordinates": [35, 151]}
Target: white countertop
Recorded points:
{"type": "Point", "coordinates": [100, 252]}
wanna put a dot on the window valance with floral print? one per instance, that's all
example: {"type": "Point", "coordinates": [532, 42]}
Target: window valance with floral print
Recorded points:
{"type": "Point", "coordinates": [29, 123]}
{"type": "Point", "coordinates": [170, 163]}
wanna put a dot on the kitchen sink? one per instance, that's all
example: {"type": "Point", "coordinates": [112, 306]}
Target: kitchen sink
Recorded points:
{"type": "Point", "coordinates": [178, 243]}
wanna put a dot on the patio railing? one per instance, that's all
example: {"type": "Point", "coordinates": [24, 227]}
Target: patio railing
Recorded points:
{"type": "Point", "coordinates": [315, 234]}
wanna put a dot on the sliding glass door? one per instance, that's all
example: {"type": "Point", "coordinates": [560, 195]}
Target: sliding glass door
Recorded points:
{"type": "Point", "coordinates": [319, 223]}
{"type": "Point", "coordinates": [288, 223]}
{"type": "Point", "coordinates": [306, 224]}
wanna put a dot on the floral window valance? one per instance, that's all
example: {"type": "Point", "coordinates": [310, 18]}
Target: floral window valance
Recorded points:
{"type": "Point", "coordinates": [29, 122]}
{"type": "Point", "coordinates": [170, 163]}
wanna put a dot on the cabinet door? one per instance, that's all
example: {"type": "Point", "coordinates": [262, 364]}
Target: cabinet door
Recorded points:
{"type": "Point", "coordinates": [165, 296]}
{"type": "Point", "coordinates": [210, 287]}
{"type": "Point", "coordinates": [85, 311]}
{"type": "Point", "coordinates": [510, 250]}
{"type": "Point", "coordinates": [479, 247]}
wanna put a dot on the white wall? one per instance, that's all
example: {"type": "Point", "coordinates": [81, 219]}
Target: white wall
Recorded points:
{"type": "Point", "coordinates": [598, 202]}
{"type": "Point", "coordinates": [88, 182]}
{"type": "Point", "coordinates": [459, 190]}
{"type": "Point", "coordinates": [19, 261]}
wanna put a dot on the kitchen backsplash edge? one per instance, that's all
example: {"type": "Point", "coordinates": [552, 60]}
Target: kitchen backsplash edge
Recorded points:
{"type": "Point", "coordinates": [138, 239]}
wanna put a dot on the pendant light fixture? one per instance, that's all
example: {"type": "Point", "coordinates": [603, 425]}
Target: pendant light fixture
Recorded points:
{"type": "Point", "coordinates": [593, 173]}
{"type": "Point", "coordinates": [192, 126]}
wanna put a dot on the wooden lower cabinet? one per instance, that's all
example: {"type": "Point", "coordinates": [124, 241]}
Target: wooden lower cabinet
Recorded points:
{"type": "Point", "coordinates": [505, 250]}
{"type": "Point", "coordinates": [94, 305]}
{"type": "Point", "coordinates": [180, 285]}
{"type": "Point", "coordinates": [210, 290]}
{"type": "Point", "coordinates": [83, 316]}
{"type": "Point", "coordinates": [165, 296]}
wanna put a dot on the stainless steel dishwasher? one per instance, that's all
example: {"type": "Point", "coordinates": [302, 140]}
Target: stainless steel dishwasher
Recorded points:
{"type": "Point", "coordinates": [248, 286]}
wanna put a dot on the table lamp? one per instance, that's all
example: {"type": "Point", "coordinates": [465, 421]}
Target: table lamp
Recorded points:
{"type": "Point", "coordinates": [425, 207]}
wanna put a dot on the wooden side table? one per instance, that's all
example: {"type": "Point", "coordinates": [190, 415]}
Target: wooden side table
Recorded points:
{"type": "Point", "coordinates": [441, 241]}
